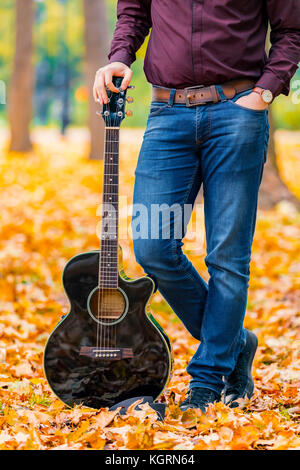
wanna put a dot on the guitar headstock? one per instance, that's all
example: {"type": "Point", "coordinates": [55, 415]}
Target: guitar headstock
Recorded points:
{"type": "Point", "coordinates": [113, 112]}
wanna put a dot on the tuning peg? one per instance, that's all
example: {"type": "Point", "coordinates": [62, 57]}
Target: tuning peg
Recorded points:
{"type": "Point", "coordinates": [129, 99]}
{"type": "Point", "coordinates": [131, 87]}
{"type": "Point", "coordinates": [129, 113]}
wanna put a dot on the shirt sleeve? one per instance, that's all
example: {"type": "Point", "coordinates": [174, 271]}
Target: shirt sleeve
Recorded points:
{"type": "Point", "coordinates": [284, 55]}
{"type": "Point", "coordinates": [132, 27]}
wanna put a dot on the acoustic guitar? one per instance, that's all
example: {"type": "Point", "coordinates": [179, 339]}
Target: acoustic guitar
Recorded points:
{"type": "Point", "coordinates": [108, 348]}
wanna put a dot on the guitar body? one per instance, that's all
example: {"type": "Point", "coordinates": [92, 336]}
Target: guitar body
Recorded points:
{"type": "Point", "coordinates": [100, 363]}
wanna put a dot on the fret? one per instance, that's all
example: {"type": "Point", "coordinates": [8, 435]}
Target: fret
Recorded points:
{"type": "Point", "coordinates": [108, 285]}
{"type": "Point", "coordinates": [108, 275]}
{"type": "Point", "coordinates": [110, 264]}
{"type": "Point", "coordinates": [108, 280]}
{"type": "Point", "coordinates": [108, 259]}
{"type": "Point", "coordinates": [106, 269]}
{"type": "Point", "coordinates": [110, 179]}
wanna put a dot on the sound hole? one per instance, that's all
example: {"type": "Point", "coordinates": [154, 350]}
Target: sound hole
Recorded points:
{"type": "Point", "coordinates": [107, 305]}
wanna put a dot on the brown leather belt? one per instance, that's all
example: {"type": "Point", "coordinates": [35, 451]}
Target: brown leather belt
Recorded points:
{"type": "Point", "coordinates": [200, 95]}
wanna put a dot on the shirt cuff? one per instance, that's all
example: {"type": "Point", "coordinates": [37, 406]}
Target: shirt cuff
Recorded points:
{"type": "Point", "coordinates": [269, 81]}
{"type": "Point", "coordinates": [121, 56]}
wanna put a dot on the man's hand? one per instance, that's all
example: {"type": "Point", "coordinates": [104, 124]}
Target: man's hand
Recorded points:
{"type": "Point", "coordinates": [104, 78]}
{"type": "Point", "coordinates": [252, 101]}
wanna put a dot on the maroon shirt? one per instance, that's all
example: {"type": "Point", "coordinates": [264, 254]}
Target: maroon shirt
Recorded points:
{"type": "Point", "coordinates": [206, 42]}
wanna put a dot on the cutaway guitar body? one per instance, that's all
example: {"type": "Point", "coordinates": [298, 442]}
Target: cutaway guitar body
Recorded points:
{"type": "Point", "coordinates": [98, 364]}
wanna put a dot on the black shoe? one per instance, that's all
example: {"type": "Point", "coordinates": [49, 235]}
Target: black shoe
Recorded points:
{"type": "Point", "coordinates": [200, 397]}
{"type": "Point", "coordinates": [239, 385]}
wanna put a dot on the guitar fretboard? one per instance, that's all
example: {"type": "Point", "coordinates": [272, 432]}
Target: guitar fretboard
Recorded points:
{"type": "Point", "coordinates": [108, 269]}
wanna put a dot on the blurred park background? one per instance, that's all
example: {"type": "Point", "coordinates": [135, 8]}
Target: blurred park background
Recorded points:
{"type": "Point", "coordinates": [51, 146]}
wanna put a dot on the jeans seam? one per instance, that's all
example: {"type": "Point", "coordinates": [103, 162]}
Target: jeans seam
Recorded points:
{"type": "Point", "coordinates": [174, 241]}
{"type": "Point", "coordinates": [209, 122]}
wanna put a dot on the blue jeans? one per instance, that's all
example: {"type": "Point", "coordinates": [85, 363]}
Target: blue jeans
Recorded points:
{"type": "Point", "coordinates": [222, 146]}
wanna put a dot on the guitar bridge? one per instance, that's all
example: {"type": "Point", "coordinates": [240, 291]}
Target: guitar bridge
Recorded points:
{"type": "Point", "coordinates": [111, 354]}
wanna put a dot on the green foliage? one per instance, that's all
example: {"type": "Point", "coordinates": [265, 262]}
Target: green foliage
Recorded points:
{"type": "Point", "coordinates": [6, 38]}
{"type": "Point", "coordinates": [287, 109]}
{"type": "Point", "coordinates": [43, 400]}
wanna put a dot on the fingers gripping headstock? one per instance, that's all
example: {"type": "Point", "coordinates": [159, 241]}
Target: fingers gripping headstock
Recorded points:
{"type": "Point", "coordinates": [113, 112]}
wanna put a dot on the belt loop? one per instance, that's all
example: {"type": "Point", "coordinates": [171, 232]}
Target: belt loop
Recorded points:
{"type": "Point", "coordinates": [171, 97]}
{"type": "Point", "coordinates": [221, 93]}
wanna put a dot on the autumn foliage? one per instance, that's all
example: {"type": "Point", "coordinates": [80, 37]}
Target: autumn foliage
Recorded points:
{"type": "Point", "coordinates": [48, 214]}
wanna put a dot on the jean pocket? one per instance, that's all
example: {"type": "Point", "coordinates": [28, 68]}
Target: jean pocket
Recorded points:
{"type": "Point", "coordinates": [244, 108]}
{"type": "Point", "coordinates": [157, 107]}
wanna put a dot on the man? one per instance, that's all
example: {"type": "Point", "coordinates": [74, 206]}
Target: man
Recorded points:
{"type": "Point", "coordinates": [215, 134]}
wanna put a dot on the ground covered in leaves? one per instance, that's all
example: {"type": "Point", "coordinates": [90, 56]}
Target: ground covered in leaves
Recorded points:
{"type": "Point", "coordinates": [48, 214]}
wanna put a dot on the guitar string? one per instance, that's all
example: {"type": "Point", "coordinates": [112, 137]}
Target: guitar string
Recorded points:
{"type": "Point", "coordinates": [99, 326]}
{"type": "Point", "coordinates": [114, 245]}
{"type": "Point", "coordinates": [99, 274]}
{"type": "Point", "coordinates": [117, 225]}
{"type": "Point", "coordinates": [107, 301]}
{"type": "Point", "coordinates": [112, 233]}
{"type": "Point", "coordinates": [111, 236]}
{"type": "Point", "coordinates": [114, 159]}
{"type": "Point", "coordinates": [99, 270]}
{"type": "Point", "coordinates": [117, 138]}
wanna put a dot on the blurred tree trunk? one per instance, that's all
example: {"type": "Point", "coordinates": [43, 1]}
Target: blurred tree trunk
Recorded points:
{"type": "Point", "coordinates": [272, 189]}
{"type": "Point", "coordinates": [21, 88]}
{"type": "Point", "coordinates": [96, 42]}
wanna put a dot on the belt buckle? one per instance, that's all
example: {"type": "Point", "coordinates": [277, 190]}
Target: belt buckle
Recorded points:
{"type": "Point", "coordinates": [186, 91]}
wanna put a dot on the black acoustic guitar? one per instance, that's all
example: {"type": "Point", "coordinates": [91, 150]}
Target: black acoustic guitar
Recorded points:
{"type": "Point", "coordinates": [108, 348]}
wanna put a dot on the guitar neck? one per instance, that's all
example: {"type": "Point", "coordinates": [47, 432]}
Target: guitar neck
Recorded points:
{"type": "Point", "coordinates": [108, 272]}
